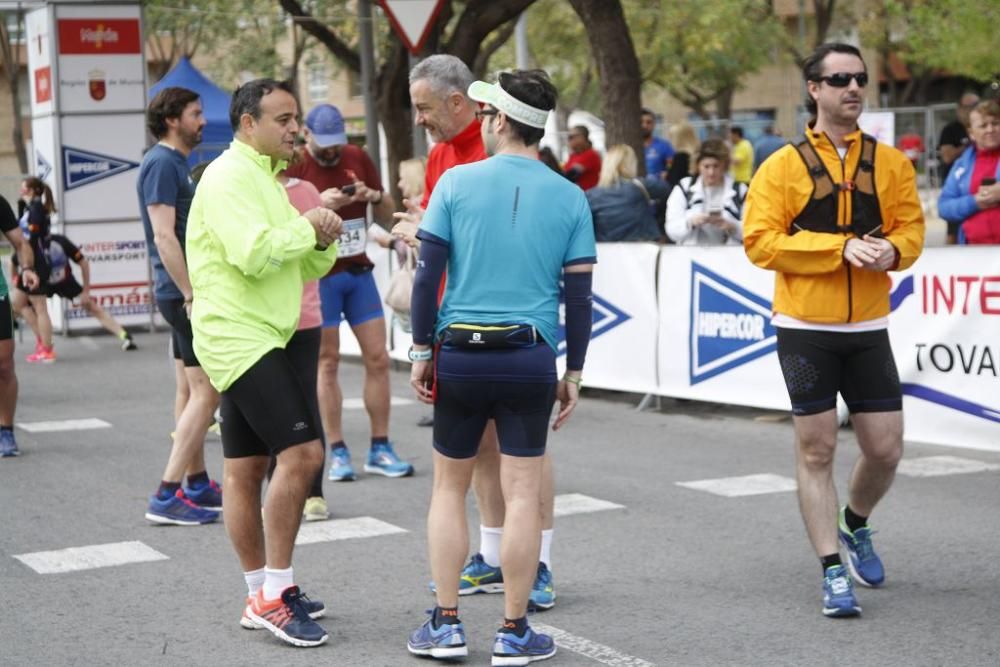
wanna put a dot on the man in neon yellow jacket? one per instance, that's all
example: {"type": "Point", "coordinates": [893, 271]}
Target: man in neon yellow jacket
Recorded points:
{"type": "Point", "coordinates": [249, 253]}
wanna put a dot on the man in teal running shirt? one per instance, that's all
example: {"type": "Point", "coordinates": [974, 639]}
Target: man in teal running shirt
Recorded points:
{"type": "Point", "coordinates": [249, 253]}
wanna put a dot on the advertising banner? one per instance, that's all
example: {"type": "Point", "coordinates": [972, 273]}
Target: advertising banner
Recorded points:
{"type": "Point", "coordinates": [101, 64]}
{"type": "Point", "coordinates": [118, 273]}
{"type": "Point", "coordinates": [716, 341]}
{"type": "Point", "coordinates": [99, 160]}
{"type": "Point", "coordinates": [39, 48]}
{"type": "Point", "coordinates": [621, 355]}
{"type": "Point", "coordinates": [945, 332]}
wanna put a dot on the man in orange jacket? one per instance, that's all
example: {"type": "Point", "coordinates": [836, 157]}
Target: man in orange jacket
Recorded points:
{"type": "Point", "coordinates": [831, 213]}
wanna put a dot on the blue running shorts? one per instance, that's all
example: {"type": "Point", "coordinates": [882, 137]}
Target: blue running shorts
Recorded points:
{"type": "Point", "coordinates": [350, 296]}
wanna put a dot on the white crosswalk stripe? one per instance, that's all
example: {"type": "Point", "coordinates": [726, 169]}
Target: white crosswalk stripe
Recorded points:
{"type": "Point", "coordinates": [63, 425]}
{"type": "Point", "coordinates": [605, 655]}
{"type": "Point", "coordinates": [577, 503]}
{"type": "Point", "coordinates": [90, 557]}
{"type": "Point", "coordinates": [345, 529]}
{"type": "Point", "coordinates": [747, 485]}
{"type": "Point", "coordinates": [935, 466]}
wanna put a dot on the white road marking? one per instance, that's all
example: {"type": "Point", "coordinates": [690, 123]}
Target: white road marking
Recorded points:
{"type": "Point", "coordinates": [577, 503]}
{"type": "Point", "coordinates": [748, 485]}
{"type": "Point", "coordinates": [933, 466]}
{"type": "Point", "coordinates": [64, 425]}
{"type": "Point", "coordinates": [359, 403]}
{"type": "Point", "coordinates": [597, 652]}
{"type": "Point", "coordinates": [90, 557]}
{"type": "Point", "coordinates": [89, 343]}
{"type": "Point", "coordinates": [345, 529]}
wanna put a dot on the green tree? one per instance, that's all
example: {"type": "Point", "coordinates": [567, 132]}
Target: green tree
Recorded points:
{"type": "Point", "coordinates": [464, 28]}
{"type": "Point", "coordinates": [700, 52]}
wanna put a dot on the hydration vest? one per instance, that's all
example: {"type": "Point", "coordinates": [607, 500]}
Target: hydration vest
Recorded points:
{"type": "Point", "coordinates": [822, 212]}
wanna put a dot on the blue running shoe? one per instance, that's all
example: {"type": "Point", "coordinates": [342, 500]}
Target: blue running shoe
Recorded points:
{"type": "Point", "coordinates": [287, 618]}
{"type": "Point", "coordinates": [509, 650]}
{"type": "Point", "coordinates": [8, 445]}
{"type": "Point", "coordinates": [382, 460]}
{"type": "Point", "coordinates": [207, 496]}
{"type": "Point", "coordinates": [341, 469]}
{"type": "Point", "coordinates": [447, 641]}
{"type": "Point", "coordinates": [177, 510]}
{"type": "Point", "coordinates": [838, 593]}
{"type": "Point", "coordinates": [864, 563]}
{"type": "Point", "coordinates": [543, 593]}
{"type": "Point", "coordinates": [478, 577]}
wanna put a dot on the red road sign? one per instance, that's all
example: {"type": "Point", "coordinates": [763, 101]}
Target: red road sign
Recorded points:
{"type": "Point", "coordinates": [412, 20]}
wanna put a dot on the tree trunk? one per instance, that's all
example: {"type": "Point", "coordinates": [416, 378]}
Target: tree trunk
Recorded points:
{"type": "Point", "coordinates": [724, 104]}
{"type": "Point", "coordinates": [12, 66]}
{"type": "Point", "coordinates": [618, 71]}
{"type": "Point", "coordinates": [392, 104]}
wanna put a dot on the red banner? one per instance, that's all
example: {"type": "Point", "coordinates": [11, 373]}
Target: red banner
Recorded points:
{"type": "Point", "coordinates": [43, 84]}
{"type": "Point", "coordinates": [99, 36]}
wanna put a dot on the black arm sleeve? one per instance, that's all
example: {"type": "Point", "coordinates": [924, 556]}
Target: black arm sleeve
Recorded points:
{"type": "Point", "coordinates": [423, 302]}
{"type": "Point", "coordinates": [7, 220]}
{"type": "Point", "coordinates": [578, 288]}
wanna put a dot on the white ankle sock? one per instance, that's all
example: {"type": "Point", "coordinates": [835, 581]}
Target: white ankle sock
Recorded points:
{"type": "Point", "coordinates": [254, 579]}
{"type": "Point", "coordinates": [276, 581]}
{"type": "Point", "coordinates": [489, 544]}
{"type": "Point", "coordinates": [545, 555]}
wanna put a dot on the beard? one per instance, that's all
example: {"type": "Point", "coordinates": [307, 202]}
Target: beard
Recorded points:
{"type": "Point", "coordinates": [190, 139]}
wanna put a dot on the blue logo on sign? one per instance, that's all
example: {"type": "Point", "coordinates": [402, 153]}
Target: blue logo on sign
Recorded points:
{"type": "Point", "coordinates": [42, 166]}
{"type": "Point", "coordinates": [83, 167]}
{"type": "Point", "coordinates": [730, 326]}
{"type": "Point", "coordinates": [605, 317]}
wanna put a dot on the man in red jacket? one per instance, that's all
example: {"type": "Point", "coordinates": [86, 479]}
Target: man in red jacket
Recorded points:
{"type": "Point", "coordinates": [583, 166]}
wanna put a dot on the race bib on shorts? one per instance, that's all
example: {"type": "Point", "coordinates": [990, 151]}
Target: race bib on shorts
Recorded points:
{"type": "Point", "coordinates": [353, 238]}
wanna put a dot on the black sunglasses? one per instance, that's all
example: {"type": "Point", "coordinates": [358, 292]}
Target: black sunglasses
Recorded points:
{"type": "Point", "coordinates": [843, 79]}
{"type": "Point", "coordinates": [482, 113]}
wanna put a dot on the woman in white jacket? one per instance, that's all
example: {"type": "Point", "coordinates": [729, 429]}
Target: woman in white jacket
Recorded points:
{"type": "Point", "coordinates": [707, 208]}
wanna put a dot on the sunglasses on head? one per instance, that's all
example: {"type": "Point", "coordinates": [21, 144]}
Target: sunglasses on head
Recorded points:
{"type": "Point", "coordinates": [843, 79]}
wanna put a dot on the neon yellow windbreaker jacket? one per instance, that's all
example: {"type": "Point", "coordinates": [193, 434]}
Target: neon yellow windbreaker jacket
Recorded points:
{"type": "Point", "coordinates": [249, 252]}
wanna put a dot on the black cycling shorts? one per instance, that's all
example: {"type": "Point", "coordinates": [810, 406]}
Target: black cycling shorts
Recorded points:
{"type": "Point", "coordinates": [266, 410]}
{"type": "Point", "coordinates": [6, 318]}
{"type": "Point", "coordinates": [521, 411]}
{"type": "Point", "coordinates": [183, 338]}
{"type": "Point", "coordinates": [67, 289]}
{"type": "Point", "coordinates": [819, 364]}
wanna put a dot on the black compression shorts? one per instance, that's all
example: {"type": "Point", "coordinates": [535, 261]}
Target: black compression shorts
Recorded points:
{"type": "Point", "coordinates": [183, 338]}
{"type": "Point", "coordinates": [266, 410]}
{"type": "Point", "coordinates": [521, 411]}
{"type": "Point", "coordinates": [819, 364]}
{"type": "Point", "coordinates": [6, 318]}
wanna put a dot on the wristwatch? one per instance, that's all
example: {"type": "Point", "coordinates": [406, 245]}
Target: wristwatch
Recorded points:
{"type": "Point", "coordinates": [420, 355]}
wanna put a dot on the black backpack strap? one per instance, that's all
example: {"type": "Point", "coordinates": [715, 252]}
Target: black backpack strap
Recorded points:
{"type": "Point", "coordinates": [823, 184]}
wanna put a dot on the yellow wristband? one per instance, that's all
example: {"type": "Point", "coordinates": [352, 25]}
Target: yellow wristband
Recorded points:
{"type": "Point", "coordinates": [576, 381]}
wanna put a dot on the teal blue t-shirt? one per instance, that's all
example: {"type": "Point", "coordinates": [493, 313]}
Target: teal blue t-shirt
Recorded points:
{"type": "Point", "coordinates": [511, 225]}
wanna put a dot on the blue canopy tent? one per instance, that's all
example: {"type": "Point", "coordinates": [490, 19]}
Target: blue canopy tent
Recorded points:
{"type": "Point", "coordinates": [214, 102]}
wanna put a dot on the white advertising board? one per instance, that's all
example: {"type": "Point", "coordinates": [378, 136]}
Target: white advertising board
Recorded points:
{"type": "Point", "coordinates": [118, 273]}
{"type": "Point", "coordinates": [945, 332]}
{"type": "Point", "coordinates": [39, 47]}
{"type": "Point", "coordinates": [716, 342]}
{"type": "Point", "coordinates": [622, 353]}
{"type": "Point", "coordinates": [99, 159]}
{"type": "Point", "coordinates": [101, 65]}
{"type": "Point", "coordinates": [43, 148]}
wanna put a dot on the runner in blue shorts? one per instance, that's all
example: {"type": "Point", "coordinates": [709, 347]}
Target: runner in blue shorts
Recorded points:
{"type": "Point", "coordinates": [508, 230]}
{"type": "Point", "coordinates": [348, 184]}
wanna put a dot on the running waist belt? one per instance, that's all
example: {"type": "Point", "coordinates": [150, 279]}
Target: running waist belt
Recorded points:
{"type": "Point", "coordinates": [489, 336]}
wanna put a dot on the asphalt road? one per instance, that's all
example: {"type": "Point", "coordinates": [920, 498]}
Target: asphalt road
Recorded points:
{"type": "Point", "coordinates": [677, 576]}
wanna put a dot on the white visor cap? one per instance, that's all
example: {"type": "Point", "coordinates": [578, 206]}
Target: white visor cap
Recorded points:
{"type": "Point", "coordinates": [494, 95]}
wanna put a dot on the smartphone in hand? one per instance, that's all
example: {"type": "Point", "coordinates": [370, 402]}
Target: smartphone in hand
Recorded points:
{"type": "Point", "coordinates": [349, 189]}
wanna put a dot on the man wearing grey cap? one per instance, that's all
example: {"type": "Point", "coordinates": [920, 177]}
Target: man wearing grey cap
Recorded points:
{"type": "Point", "coordinates": [348, 183]}
{"type": "Point", "coordinates": [508, 230]}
